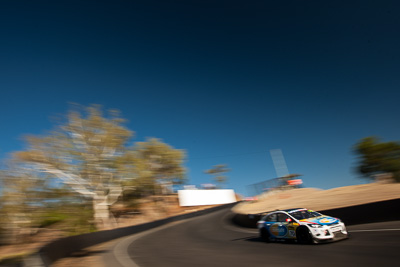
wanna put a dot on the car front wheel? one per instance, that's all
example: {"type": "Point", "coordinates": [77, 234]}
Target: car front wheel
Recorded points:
{"type": "Point", "coordinates": [303, 236]}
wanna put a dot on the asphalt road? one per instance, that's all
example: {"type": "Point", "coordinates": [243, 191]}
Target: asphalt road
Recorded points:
{"type": "Point", "coordinates": [211, 240]}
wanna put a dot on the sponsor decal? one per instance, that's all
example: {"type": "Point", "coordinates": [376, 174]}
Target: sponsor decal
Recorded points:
{"type": "Point", "coordinates": [327, 220]}
{"type": "Point", "coordinates": [320, 220]}
{"type": "Point", "coordinates": [278, 230]}
{"type": "Point", "coordinates": [308, 222]}
{"type": "Point", "coordinates": [292, 233]}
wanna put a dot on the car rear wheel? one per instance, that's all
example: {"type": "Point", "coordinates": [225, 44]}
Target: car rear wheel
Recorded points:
{"type": "Point", "coordinates": [303, 236]}
{"type": "Point", "coordinates": [264, 235]}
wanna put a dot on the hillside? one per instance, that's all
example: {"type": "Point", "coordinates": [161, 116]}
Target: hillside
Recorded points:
{"type": "Point", "coordinates": [317, 199]}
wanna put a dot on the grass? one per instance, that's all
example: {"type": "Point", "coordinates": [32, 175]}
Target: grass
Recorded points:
{"type": "Point", "coordinates": [14, 258]}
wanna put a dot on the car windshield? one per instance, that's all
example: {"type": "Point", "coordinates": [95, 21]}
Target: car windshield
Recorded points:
{"type": "Point", "coordinates": [304, 214]}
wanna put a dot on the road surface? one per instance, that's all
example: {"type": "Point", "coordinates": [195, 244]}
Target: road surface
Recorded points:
{"type": "Point", "coordinates": [212, 240]}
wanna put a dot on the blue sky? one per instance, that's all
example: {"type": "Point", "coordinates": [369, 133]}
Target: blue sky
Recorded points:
{"type": "Point", "coordinates": [225, 80]}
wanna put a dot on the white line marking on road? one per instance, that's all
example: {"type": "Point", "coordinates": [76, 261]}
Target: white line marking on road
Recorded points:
{"type": "Point", "coordinates": [374, 230]}
{"type": "Point", "coordinates": [120, 250]}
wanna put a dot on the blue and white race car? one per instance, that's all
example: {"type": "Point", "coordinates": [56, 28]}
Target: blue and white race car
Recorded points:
{"type": "Point", "coordinates": [303, 225]}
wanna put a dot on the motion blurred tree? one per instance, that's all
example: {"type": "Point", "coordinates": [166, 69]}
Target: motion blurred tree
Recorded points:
{"type": "Point", "coordinates": [378, 158]}
{"type": "Point", "coordinates": [87, 153]}
{"type": "Point", "coordinates": [90, 154]}
{"type": "Point", "coordinates": [159, 164]}
{"type": "Point", "coordinates": [19, 203]}
{"type": "Point", "coordinates": [217, 171]}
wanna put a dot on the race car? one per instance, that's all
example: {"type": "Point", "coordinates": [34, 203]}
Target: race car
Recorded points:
{"type": "Point", "coordinates": [302, 225]}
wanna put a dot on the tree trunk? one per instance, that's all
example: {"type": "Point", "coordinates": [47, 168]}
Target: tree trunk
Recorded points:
{"type": "Point", "coordinates": [101, 213]}
{"type": "Point", "coordinates": [103, 218]}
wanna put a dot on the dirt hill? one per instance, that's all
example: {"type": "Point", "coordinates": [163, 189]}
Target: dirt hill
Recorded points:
{"type": "Point", "coordinates": [318, 199]}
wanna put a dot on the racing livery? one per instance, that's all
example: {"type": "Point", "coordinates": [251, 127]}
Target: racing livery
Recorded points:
{"type": "Point", "coordinates": [303, 225]}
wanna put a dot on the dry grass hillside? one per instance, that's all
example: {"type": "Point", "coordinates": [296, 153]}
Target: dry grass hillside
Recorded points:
{"type": "Point", "coordinates": [318, 199]}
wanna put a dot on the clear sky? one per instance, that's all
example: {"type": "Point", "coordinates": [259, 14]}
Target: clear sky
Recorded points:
{"type": "Point", "coordinates": [225, 80]}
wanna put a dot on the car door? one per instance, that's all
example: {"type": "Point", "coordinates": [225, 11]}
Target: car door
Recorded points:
{"type": "Point", "coordinates": [290, 224]}
{"type": "Point", "coordinates": [277, 225]}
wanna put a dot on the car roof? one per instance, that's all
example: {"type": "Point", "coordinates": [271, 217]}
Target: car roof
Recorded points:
{"type": "Point", "coordinates": [293, 210]}
{"type": "Point", "coordinates": [286, 210]}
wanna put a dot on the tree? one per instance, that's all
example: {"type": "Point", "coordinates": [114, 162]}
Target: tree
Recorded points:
{"type": "Point", "coordinates": [217, 171]}
{"type": "Point", "coordinates": [88, 153]}
{"type": "Point", "coordinates": [377, 158]}
{"type": "Point", "coordinates": [19, 203]}
{"type": "Point", "coordinates": [159, 164]}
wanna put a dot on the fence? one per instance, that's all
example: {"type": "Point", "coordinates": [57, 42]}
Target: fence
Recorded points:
{"type": "Point", "coordinates": [264, 186]}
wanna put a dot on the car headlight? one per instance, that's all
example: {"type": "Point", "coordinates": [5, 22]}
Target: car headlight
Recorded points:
{"type": "Point", "coordinates": [315, 225]}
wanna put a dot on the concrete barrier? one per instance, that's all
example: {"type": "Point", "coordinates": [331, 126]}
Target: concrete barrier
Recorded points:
{"type": "Point", "coordinates": [382, 211]}
{"type": "Point", "coordinates": [66, 246]}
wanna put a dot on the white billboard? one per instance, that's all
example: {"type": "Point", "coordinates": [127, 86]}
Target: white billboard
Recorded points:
{"type": "Point", "coordinates": [206, 197]}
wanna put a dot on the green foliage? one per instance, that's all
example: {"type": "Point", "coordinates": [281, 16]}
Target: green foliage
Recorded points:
{"type": "Point", "coordinates": [51, 218]}
{"type": "Point", "coordinates": [157, 165]}
{"type": "Point", "coordinates": [73, 218]}
{"type": "Point", "coordinates": [15, 259]}
{"type": "Point", "coordinates": [88, 151]}
{"type": "Point", "coordinates": [217, 171]}
{"type": "Point", "coordinates": [376, 157]}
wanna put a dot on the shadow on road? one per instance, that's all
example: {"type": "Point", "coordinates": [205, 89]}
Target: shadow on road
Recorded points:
{"type": "Point", "coordinates": [257, 239]}
{"type": "Point", "coordinates": [85, 253]}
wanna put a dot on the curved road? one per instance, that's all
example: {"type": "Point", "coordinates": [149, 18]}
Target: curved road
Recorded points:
{"type": "Point", "coordinates": [211, 240]}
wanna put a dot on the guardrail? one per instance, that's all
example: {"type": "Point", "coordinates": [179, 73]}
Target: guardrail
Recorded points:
{"type": "Point", "coordinates": [366, 213]}
{"type": "Point", "coordinates": [66, 246]}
